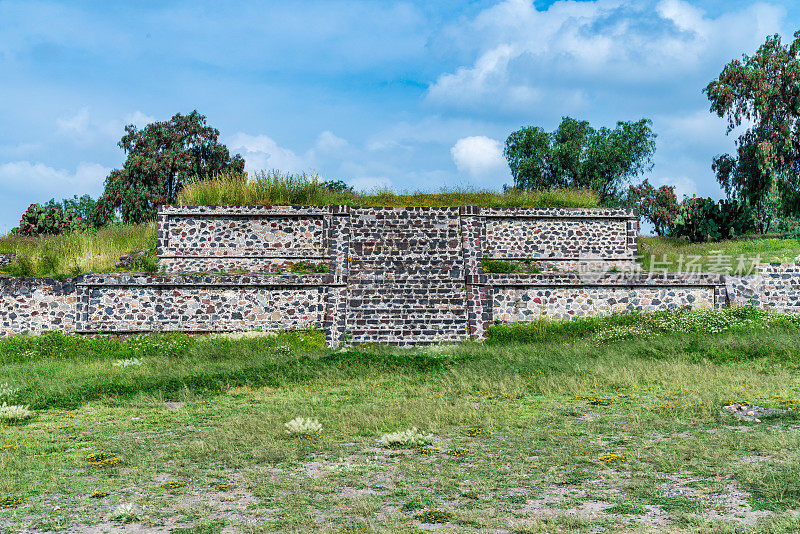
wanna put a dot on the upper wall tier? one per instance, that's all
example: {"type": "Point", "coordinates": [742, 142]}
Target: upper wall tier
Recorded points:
{"type": "Point", "coordinates": [268, 239]}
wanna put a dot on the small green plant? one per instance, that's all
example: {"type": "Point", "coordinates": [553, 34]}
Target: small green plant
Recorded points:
{"type": "Point", "coordinates": [406, 438]}
{"type": "Point", "coordinates": [99, 494]}
{"type": "Point", "coordinates": [625, 509]}
{"type": "Point", "coordinates": [309, 267]}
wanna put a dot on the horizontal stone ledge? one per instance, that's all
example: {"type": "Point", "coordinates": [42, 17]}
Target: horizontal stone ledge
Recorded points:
{"type": "Point", "coordinates": [599, 279]}
{"type": "Point", "coordinates": [557, 213]}
{"type": "Point", "coordinates": [250, 211]}
{"type": "Point", "coordinates": [243, 280]}
{"type": "Point", "coordinates": [256, 255]}
{"type": "Point", "coordinates": [521, 257]}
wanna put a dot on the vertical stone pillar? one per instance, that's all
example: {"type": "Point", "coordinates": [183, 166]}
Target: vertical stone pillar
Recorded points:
{"type": "Point", "coordinates": [473, 233]}
{"type": "Point", "coordinates": [338, 241]}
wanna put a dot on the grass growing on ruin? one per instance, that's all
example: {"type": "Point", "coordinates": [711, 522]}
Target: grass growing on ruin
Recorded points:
{"type": "Point", "coordinates": [274, 188]}
{"type": "Point", "coordinates": [559, 433]}
{"type": "Point", "coordinates": [730, 256]}
{"type": "Point", "coordinates": [60, 256]}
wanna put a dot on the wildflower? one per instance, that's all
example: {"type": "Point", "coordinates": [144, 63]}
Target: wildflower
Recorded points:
{"type": "Point", "coordinates": [99, 494]}
{"type": "Point", "coordinates": [456, 452]}
{"type": "Point", "coordinates": [102, 459]}
{"type": "Point", "coordinates": [476, 431]}
{"type": "Point", "coordinates": [435, 516]}
{"type": "Point", "coordinates": [10, 501]}
{"type": "Point", "coordinates": [427, 450]}
{"type": "Point", "coordinates": [173, 485]}
{"type": "Point", "coordinates": [611, 458]}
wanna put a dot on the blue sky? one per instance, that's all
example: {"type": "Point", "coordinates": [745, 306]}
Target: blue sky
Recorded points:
{"type": "Point", "coordinates": [376, 93]}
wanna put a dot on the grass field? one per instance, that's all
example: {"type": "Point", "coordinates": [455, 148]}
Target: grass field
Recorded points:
{"type": "Point", "coordinates": [545, 428]}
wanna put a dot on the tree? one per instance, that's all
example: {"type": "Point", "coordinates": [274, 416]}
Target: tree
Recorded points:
{"type": "Point", "coordinates": [577, 155]}
{"type": "Point", "coordinates": [763, 91]}
{"type": "Point", "coordinates": [658, 206]}
{"type": "Point", "coordinates": [161, 158]}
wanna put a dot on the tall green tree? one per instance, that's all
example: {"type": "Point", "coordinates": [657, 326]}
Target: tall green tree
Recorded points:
{"type": "Point", "coordinates": [577, 155]}
{"type": "Point", "coordinates": [761, 91]}
{"type": "Point", "coordinates": [658, 206]}
{"type": "Point", "coordinates": [161, 158]}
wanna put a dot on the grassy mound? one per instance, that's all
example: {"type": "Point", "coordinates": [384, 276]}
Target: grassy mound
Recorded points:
{"type": "Point", "coordinates": [65, 255]}
{"type": "Point", "coordinates": [277, 189]}
{"type": "Point", "coordinates": [735, 256]}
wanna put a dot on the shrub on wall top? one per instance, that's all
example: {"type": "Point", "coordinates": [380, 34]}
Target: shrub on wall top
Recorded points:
{"type": "Point", "coordinates": [41, 220]}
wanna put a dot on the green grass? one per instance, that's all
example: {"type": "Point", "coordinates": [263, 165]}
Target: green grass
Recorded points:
{"type": "Point", "coordinates": [275, 189]}
{"type": "Point", "coordinates": [208, 412]}
{"type": "Point", "coordinates": [734, 256]}
{"type": "Point", "coordinates": [65, 255]}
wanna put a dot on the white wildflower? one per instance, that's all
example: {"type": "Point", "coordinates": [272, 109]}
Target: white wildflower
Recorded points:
{"type": "Point", "coordinates": [14, 412]}
{"type": "Point", "coordinates": [125, 513]}
{"type": "Point", "coordinates": [6, 391]}
{"type": "Point", "coordinates": [127, 362]}
{"type": "Point", "coordinates": [303, 425]}
{"type": "Point", "coordinates": [407, 438]}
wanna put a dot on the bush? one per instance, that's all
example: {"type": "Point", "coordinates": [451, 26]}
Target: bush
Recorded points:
{"type": "Point", "coordinates": [48, 220]}
{"type": "Point", "coordinates": [702, 219]}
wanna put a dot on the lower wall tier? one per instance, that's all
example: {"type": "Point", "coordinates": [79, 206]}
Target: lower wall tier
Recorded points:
{"type": "Point", "coordinates": [125, 303]}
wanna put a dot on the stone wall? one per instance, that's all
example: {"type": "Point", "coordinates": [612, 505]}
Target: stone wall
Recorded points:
{"type": "Point", "coordinates": [396, 275]}
{"type": "Point", "coordinates": [209, 239]}
{"type": "Point", "coordinates": [136, 303]}
{"type": "Point", "coordinates": [776, 285]}
{"type": "Point", "coordinates": [566, 295]}
{"type": "Point", "coordinates": [37, 305]}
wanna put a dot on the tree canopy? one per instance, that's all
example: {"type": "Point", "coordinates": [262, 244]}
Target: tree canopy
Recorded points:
{"type": "Point", "coordinates": [577, 155]}
{"type": "Point", "coordinates": [761, 91]}
{"type": "Point", "coordinates": [161, 158]}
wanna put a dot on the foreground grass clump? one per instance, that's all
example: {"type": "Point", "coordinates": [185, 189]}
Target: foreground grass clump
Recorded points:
{"type": "Point", "coordinates": [529, 435]}
{"type": "Point", "coordinates": [65, 255]}
{"type": "Point", "coordinates": [274, 188]}
{"type": "Point", "coordinates": [734, 256]}
{"type": "Point", "coordinates": [405, 438]}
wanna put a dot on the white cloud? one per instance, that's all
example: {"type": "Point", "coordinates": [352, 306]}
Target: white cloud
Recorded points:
{"type": "Point", "coordinates": [479, 156]}
{"type": "Point", "coordinates": [261, 152]}
{"type": "Point", "coordinates": [85, 129]}
{"type": "Point", "coordinates": [558, 57]}
{"type": "Point", "coordinates": [328, 143]}
{"type": "Point", "coordinates": [27, 177]}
